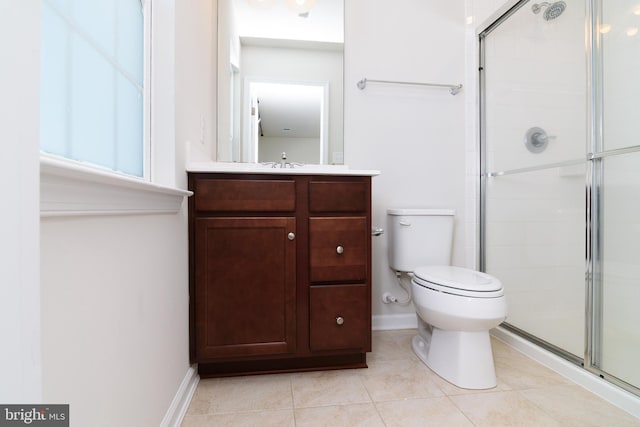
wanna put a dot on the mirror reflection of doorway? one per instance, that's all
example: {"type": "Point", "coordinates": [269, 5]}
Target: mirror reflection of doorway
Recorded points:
{"type": "Point", "coordinates": [286, 117]}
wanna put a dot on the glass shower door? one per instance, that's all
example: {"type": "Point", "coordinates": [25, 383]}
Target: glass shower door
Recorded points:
{"type": "Point", "coordinates": [534, 171]}
{"type": "Point", "coordinates": [619, 288]}
{"type": "Point", "coordinates": [616, 343]}
{"type": "Point", "coordinates": [560, 181]}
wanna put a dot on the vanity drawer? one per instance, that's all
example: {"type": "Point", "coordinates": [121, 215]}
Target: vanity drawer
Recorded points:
{"type": "Point", "coordinates": [338, 196]}
{"type": "Point", "coordinates": [245, 195]}
{"type": "Point", "coordinates": [339, 318]}
{"type": "Point", "coordinates": [338, 249]}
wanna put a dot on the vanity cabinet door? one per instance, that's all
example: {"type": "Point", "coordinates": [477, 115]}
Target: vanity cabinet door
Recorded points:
{"type": "Point", "coordinates": [245, 286]}
{"type": "Point", "coordinates": [338, 249]}
{"type": "Point", "coordinates": [339, 317]}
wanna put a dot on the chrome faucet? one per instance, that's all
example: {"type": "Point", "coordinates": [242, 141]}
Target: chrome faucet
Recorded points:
{"type": "Point", "coordinates": [283, 162]}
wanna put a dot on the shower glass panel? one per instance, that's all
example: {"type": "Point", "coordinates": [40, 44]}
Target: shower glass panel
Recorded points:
{"type": "Point", "coordinates": [620, 240]}
{"type": "Point", "coordinates": [571, 275]}
{"type": "Point", "coordinates": [535, 245]}
{"type": "Point", "coordinates": [534, 169]}
{"type": "Point", "coordinates": [617, 348]}
{"type": "Point", "coordinates": [620, 63]}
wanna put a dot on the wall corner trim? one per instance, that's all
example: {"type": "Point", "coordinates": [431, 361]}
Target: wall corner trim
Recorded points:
{"type": "Point", "coordinates": [180, 403]}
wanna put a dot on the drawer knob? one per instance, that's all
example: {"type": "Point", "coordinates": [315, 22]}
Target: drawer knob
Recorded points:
{"type": "Point", "coordinates": [339, 320]}
{"type": "Point", "coordinates": [291, 236]}
{"type": "Point", "coordinates": [339, 250]}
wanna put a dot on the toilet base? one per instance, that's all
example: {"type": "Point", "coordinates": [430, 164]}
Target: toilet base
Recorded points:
{"type": "Point", "coordinates": [464, 359]}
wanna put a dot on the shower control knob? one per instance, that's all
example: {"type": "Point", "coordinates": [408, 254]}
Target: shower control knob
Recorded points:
{"type": "Point", "coordinates": [536, 139]}
{"type": "Point", "coordinates": [339, 320]}
{"type": "Point", "coordinates": [339, 250]}
{"type": "Point", "coordinates": [291, 236]}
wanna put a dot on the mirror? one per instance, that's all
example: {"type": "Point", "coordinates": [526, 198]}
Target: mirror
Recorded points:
{"type": "Point", "coordinates": [280, 81]}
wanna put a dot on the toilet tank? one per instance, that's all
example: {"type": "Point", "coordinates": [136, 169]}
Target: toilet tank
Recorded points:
{"type": "Point", "coordinates": [418, 237]}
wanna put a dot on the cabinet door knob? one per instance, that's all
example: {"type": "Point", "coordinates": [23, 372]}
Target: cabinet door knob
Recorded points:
{"type": "Point", "coordinates": [291, 236]}
{"type": "Point", "coordinates": [339, 250]}
{"type": "Point", "coordinates": [339, 320]}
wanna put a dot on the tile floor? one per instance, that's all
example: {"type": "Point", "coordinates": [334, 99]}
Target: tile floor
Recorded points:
{"type": "Point", "coordinates": [398, 390]}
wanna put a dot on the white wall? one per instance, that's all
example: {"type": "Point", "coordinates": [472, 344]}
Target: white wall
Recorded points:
{"type": "Point", "coordinates": [114, 316]}
{"type": "Point", "coordinates": [414, 136]}
{"type": "Point", "coordinates": [195, 81]}
{"type": "Point", "coordinates": [115, 289]}
{"type": "Point", "coordinates": [20, 360]}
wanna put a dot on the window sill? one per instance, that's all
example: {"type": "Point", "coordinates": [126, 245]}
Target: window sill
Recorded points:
{"type": "Point", "coordinates": [70, 188]}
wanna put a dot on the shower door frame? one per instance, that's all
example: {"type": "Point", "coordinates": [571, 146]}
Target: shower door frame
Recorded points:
{"type": "Point", "coordinates": [591, 359]}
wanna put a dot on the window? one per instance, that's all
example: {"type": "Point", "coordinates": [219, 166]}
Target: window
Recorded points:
{"type": "Point", "coordinates": [92, 106]}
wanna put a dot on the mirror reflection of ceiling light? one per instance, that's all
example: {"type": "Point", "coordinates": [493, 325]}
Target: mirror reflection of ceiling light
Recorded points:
{"type": "Point", "coordinates": [632, 31]}
{"type": "Point", "coordinates": [300, 6]}
{"type": "Point", "coordinates": [636, 11]}
{"type": "Point", "coordinates": [605, 28]}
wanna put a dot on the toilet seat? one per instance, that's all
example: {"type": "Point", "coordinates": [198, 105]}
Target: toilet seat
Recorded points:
{"type": "Point", "coordinates": [458, 281]}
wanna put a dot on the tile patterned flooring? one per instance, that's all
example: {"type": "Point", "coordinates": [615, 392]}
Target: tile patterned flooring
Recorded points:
{"type": "Point", "coordinates": [398, 390]}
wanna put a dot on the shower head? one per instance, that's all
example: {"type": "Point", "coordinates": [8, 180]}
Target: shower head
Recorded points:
{"type": "Point", "coordinates": [553, 9]}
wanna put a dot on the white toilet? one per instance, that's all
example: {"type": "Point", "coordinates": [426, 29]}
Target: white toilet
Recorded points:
{"type": "Point", "coordinates": [456, 306]}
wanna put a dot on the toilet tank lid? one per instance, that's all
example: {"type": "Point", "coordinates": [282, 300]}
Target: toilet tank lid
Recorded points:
{"type": "Point", "coordinates": [433, 212]}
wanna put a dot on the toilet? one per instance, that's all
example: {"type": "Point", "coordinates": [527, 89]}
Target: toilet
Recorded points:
{"type": "Point", "coordinates": [456, 307]}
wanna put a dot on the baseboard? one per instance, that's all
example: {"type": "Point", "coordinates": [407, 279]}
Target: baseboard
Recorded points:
{"type": "Point", "coordinates": [384, 322]}
{"type": "Point", "coordinates": [607, 391]}
{"type": "Point", "coordinates": [178, 408]}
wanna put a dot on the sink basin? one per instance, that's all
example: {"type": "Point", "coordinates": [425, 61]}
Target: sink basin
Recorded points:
{"type": "Point", "coordinates": [294, 165]}
{"type": "Point", "coordinates": [305, 169]}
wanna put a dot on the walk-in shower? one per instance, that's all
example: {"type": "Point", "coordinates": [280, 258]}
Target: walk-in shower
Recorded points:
{"type": "Point", "coordinates": [560, 178]}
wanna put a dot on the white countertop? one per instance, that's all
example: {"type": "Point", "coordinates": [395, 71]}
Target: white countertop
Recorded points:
{"type": "Point", "coordinates": [229, 167]}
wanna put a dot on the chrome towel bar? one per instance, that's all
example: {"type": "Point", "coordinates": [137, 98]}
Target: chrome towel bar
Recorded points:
{"type": "Point", "coordinates": [453, 89]}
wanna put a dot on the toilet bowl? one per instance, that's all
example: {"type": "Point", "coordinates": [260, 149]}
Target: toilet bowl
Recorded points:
{"type": "Point", "coordinates": [456, 307]}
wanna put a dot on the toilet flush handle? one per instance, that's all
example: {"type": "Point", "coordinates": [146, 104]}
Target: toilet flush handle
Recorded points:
{"type": "Point", "coordinates": [404, 223]}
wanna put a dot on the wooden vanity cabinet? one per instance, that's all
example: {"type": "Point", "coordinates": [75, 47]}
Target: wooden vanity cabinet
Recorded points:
{"type": "Point", "coordinates": [280, 272]}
